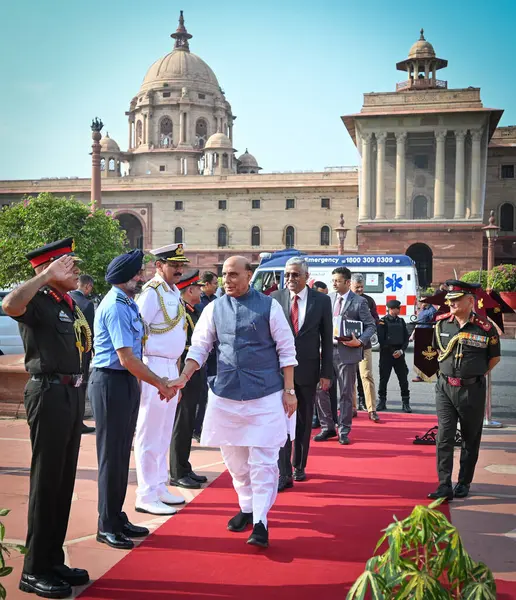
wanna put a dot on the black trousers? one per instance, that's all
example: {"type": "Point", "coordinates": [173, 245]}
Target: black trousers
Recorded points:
{"type": "Point", "coordinates": [54, 415]}
{"type": "Point", "coordinates": [387, 363]}
{"type": "Point", "coordinates": [184, 424]}
{"type": "Point", "coordinates": [466, 405]}
{"type": "Point", "coordinates": [305, 411]}
{"type": "Point", "coordinates": [115, 397]}
{"type": "Point", "coordinates": [201, 407]}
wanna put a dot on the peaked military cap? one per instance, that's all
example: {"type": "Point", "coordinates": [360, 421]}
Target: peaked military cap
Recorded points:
{"type": "Point", "coordinates": [52, 251]}
{"type": "Point", "coordinates": [171, 253]}
{"type": "Point", "coordinates": [457, 289]}
{"type": "Point", "coordinates": [393, 304]}
{"type": "Point", "coordinates": [190, 278]}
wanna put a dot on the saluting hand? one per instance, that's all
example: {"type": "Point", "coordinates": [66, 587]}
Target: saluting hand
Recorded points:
{"type": "Point", "coordinates": [289, 404]}
{"type": "Point", "coordinates": [60, 270]}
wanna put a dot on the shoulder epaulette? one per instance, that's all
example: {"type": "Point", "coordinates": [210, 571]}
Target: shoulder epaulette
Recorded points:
{"type": "Point", "coordinates": [485, 325]}
{"type": "Point", "coordinates": [155, 284]}
{"type": "Point", "coordinates": [443, 316]}
{"type": "Point", "coordinates": [47, 291]}
{"type": "Point", "coordinates": [123, 300]}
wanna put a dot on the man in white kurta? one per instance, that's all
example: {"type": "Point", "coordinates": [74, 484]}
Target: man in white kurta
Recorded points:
{"type": "Point", "coordinates": [249, 399]}
{"type": "Point", "coordinates": [164, 316]}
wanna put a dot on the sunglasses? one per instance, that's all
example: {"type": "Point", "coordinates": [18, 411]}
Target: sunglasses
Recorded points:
{"type": "Point", "coordinates": [292, 275]}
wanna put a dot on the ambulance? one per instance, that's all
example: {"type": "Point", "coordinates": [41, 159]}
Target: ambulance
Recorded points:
{"type": "Point", "coordinates": [387, 276]}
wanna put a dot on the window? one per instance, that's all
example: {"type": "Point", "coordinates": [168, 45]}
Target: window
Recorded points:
{"type": "Point", "coordinates": [165, 85]}
{"type": "Point", "coordinates": [507, 172]}
{"type": "Point", "coordinates": [507, 217]}
{"type": "Point", "coordinates": [290, 203]}
{"type": "Point", "coordinates": [102, 164]}
{"type": "Point", "coordinates": [420, 207]}
{"type": "Point", "coordinates": [165, 133]}
{"type": "Point", "coordinates": [421, 161]}
{"type": "Point", "coordinates": [139, 133]}
{"type": "Point", "coordinates": [374, 283]}
{"type": "Point", "coordinates": [290, 237]}
{"type": "Point", "coordinates": [225, 161]}
{"type": "Point", "coordinates": [255, 236]}
{"type": "Point", "coordinates": [178, 205]}
{"type": "Point", "coordinates": [162, 168]}
{"type": "Point", "coordinates": [111, 164]}
{"type": "Point", "coordinates": [201, 133]}
{"type": "Point", "coordinates": [222, 236]}
{"type": "Point", "coordinates": [325, 235]}
{"type": "Point", "coordinates": [223, 204]}
{"type": "Point", "coordinates": [255, 203]}
{"type": "Point", "coordinates": [178, 235]}
{"type": "Point", "coordinates": [166, 94]}
{"type": "Point", "coordinates": [325, 203]}
{"type": "Point", "coordinates": [202, 96]}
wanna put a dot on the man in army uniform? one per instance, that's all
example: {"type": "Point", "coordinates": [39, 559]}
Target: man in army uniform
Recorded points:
{"type": "Point", "coordinates": [56, 337]}
{"type": "Point", "coordinates": [181, 473]}
{"type": "Point", "coordinates": [393, 338]}
{"type": "Point", "coordinates": [469, 348]}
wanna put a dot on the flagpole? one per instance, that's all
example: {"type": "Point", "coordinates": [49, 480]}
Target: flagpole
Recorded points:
{"type": "Point", "coordinates": [488, 422]}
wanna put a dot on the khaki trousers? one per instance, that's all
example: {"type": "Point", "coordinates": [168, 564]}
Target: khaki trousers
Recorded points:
{"type": "Point", "coordinates": [365, 367]}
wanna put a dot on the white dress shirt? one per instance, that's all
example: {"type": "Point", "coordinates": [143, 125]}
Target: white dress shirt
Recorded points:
{"type": "Point", "coordinates": [301, 305]}
{"type": "Point", "coordinates": [343, 302]}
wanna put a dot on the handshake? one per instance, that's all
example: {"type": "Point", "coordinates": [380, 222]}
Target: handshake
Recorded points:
{"type": "Point", "coordinates": [168, 388]}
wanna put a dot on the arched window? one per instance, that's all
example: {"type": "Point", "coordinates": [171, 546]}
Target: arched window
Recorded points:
{"type": "Point", "coordinates": [225, 161]}
{"type": "Point", "coordinates": [422, 255]}
{"type": "Point", "coordinates": [222, 236]}
{"type": "Point", "coordinates": [139, 133]}
{"type": "Point", "coordinates": [111, 164]}
{"type": "Point", "coordinates": [133, 229]}
{"type": "Point", "coordinates": [290, 237]}
{"type": "Point", "coordinates": [255, 236]}
{"type": "Point", "coordinates": [420, 207]}
{"type": "Point", "coordinates": [201, 132]}
{"type": "Point", "coordinates": [325, 235]}
{"type": "Point", "coordinates": [165, 133]}
{"type": "Point", "coordinates": [507, 217]}
{"type": "Point", "coordinates": [102, 164]}
{"type": "Point", "coordinates": [178, 235]}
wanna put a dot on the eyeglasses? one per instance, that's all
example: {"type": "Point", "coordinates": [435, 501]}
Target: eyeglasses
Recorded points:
{"type": "Point", "coordinates": [292, 275]}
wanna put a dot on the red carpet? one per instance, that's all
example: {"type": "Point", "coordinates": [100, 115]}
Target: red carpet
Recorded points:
{"type": "Point", "coordinates": [321, 533]}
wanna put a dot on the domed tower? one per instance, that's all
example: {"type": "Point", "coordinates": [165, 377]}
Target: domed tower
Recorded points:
{"type": "Point", "coordinates": [218, 156]}
{"type": "Point", "coordinates": [247, 163]}
{"type": "Point", "coordinates": [421, 66]}
{"type": "Point", "coordinates": [110, 157]}
{"type": "Point", "coordinates": [179, 106]}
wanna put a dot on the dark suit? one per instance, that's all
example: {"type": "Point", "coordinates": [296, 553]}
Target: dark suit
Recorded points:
{"type": "Point", "coordinates": [314, 348]}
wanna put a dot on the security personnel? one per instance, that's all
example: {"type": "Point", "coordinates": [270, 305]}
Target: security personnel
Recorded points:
{"type": "Point", "coordinates": [164, 314]}
{"type": "Point", "coordinates": [181, 473]}
{"type": "Point", "coordinates": [56, 337]}
{"type": "Point", "coordinates": [115, 394]}
{"type": "Point", "coordinates": [393, 338]}
{"type": "Point", "coordinates": [468, 348]}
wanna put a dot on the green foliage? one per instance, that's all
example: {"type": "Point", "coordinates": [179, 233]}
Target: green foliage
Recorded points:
{"type": "Point", "coordinates": [429, 291]}
{"type": "Point", "coordinates": [424, 560]}
{"type": "Point", "coordinates": [475, 277]}
{"type": "Point", "coordinates": [501, 279]}
{"type": "Point", "coordinates": [36, 221]}
{"type": "Point", "coordinates": [5, 551]}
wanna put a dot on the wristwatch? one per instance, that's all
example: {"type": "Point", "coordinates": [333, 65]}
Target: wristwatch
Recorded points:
{"type": "Point", "coordinates": [291, 392]}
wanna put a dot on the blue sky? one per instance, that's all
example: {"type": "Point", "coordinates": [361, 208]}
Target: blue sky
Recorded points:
{"type": "Point", "coordinates": [290, 69]}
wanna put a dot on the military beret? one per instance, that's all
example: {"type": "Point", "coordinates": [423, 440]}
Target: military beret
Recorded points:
{"type": "Point", "coordinates": [457, 289]}
{"type": "Point", "coordinates": [393, 304]}
{"type": "Point", "coordinates": [124, 267]}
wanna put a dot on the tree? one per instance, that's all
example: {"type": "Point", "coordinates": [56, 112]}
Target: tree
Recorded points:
{"type": "Point", "coordinates": [36, 221]}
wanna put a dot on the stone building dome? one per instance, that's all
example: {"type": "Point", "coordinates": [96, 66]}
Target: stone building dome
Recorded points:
{"type": "Point", "coordinates": [247, 160]}
{"type": "Point", "coordinates": [217, 141]}
{"type": "Point", "coordinates": [108, 145]}
{"type": "Point", "coordinates": [422, 48]}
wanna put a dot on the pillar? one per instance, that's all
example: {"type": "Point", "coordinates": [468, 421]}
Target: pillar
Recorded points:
{"type": "Point", "coordinates": [365, 184]}
{"type": "Point", "coordinates": [400, 175]}
{"type": "Point", "coordinates": [96, 198]}
{"type": "Point", "coordinates": [380, 170]}
{"type": "Point", "coordinates": [460, 136]}
{"type": "Point", "coordinates": [130, 145]}
{"type": "Point", "coordinates": [439, 182]}
{"type": "Point", "coordinates": [476, 175]}
{"type": "Point", "coordinates": [181, 126]}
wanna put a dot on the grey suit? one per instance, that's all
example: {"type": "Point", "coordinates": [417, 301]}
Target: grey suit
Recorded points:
{"type": "Point", "coordinates": [345, 360]}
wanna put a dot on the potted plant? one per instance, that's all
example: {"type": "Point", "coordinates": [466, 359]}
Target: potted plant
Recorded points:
{"type": "Point", "coordinates": [425, 560]}
{"type": "Point", "coordinates": [4, 551]}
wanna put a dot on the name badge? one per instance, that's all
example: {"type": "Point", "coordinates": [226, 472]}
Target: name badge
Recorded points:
{"type": "Point", "coordinates": [445, 335]}
{"type": "Point", "coordinates": [64, 317]}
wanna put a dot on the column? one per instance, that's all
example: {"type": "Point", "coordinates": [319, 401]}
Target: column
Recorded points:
{"type": "Point", "coordinates": [380, 169]}
{"type": "Point", "coordinates": [130, 145]}
{"type": "Point", "coordinates": [365, 191]}
{"type": "Point", "coordinates": [181, 126]}
{"type": "Point", "coordinates": [460, 135]}
{"type": "Point", "coordinates": [401, 183]}
{"type": "Point", "coordinates": [476, 175]}
{"type": "Point", "coordinates": [145, 128]}
{"type": "Point", "coordinates": [440, 141]}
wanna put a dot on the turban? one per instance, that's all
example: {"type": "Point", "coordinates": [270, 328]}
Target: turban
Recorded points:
{"type": "Point", "coordinates": [124, 267]}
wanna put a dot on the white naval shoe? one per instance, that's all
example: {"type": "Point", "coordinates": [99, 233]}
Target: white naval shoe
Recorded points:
{"type": "Point", "coordinates": [155, 508]}
{"type": "Point", "coordinates": [167, 498]}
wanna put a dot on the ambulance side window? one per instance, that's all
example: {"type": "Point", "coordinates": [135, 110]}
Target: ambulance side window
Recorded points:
{"type": "Point", "coordinates": [264, 280]}
{"type": "Point", "coordinates": [374, 283]}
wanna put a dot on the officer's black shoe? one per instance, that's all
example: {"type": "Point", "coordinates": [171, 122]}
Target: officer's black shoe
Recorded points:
{"type": "Point", "coordinates": [443, 491]}
{"type": "Point", "coordinates": [374, 417]}
{"type": "Point", "coordinates": [461, 490]}
{"type": "Point", "coordinates": [71, 576]}
{"type": "Point", "coordinates": [197, 437]}
{"type": "Point", "coordinates": [344, 440]}
{"type": "Point", "coordinates": [199, 478]}
{"type": "Point", "coordinates": [240, 522]}
{"type": "Point", "coordinates": [186, 482]}
{"type": "Point", "coordinates": [299, 475]}
{"type": "Point", "coordinates": [382, 404]}
{"type": "Point", "coordinates": [355, 413]}
{"type": "Point", "coordinates": [285, 482]}
{"type": "Point", "coordinates": [362, 404]}
{"type": "Point", "coordinates": [115, 540]}
{"type": "Point", "coordinates": [87, 429]}
{"type": "Point", "coordinates": [325, 435]}
{"type": "Point", "coordinates": [315, 423]}
{"type": "Point", "coordinates": [406, 407]}
{"type": "Point", "coordinates": [134, 531]}
{"type": "Point", "coordinates": [45, 586]}
{"type": "Point", "coordinates": [260, 536]}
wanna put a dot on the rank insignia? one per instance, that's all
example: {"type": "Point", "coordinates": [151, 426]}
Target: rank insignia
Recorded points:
{"type": "Point", "coordinates": [480, 303]}
{"type": "Point", "coordinates": [493, 340]}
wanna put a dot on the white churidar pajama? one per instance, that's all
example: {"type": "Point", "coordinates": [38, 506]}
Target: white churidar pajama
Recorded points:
{"type": "Point", "coordinates": [156, 416]}
{"type": "Point", "coordinates": [249, 433]}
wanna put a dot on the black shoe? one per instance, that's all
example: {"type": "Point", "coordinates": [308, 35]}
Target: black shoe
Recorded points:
{"type": "Point", "coordinates": [382, 405]}
{"type": "Point", "coordinates": [134, 531]}
{"type": "Point", "coordinates": [355, 413]}
{"type": "Point", "coordinates": [325, 435]}
{"type": "Point", "coordinates": [186, 482]}
{"type": "Point", "coordinates": [461, 490]}
{"type": "Point", "coordinates": [362, 404]}
{"type": "Point", "coordinates": [240, 522]}
{"type": "Point", "coordinates": [285, 482]}
{"type": "Point", "coordinates": [87, 429]}
{"type": "Point", "coordinates": [374, 417]}
{"type": "Point", "coordinates": [343, 439]}
{"type": "Point", "coordinates": [443, 491]}
{"type": "Point", "coordinates": [406, 407]}
{"type": "Point", "coordinates": [299, 475]}
{"type": "Point", "coordinates": [45, 586]}
{"type": "Point", "coordinates": [115, 540]}
{"type": "Point", "coordinates": [316, 424]}
{"type": "Point", "coordinates": [199, 478]}
{"type": "Point", "coordinates": [71, 576]}
{"type": "Point", "coordinates": [197, 437]}
{"type": "Point", "coordinates": [260, 536]}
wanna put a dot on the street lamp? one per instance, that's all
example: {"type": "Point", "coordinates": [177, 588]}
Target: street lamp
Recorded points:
{"type": "Point", "coordinates": [491, 232]}
{"type": "Point", "coordinates": [341, 232]}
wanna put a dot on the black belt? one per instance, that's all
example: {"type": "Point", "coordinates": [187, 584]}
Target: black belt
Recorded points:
{"type": "Point", "coordinates": [57, 378]}
{"type": "Point", "coordinates": [460, 381]}
{"type": "Point", "coordinates": [112, 371]}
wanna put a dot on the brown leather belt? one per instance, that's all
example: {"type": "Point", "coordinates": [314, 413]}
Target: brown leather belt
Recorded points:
{"type": "Point", "coordinates": [460, 382]}
{"type": "Point", "coordinates": [58, 378]}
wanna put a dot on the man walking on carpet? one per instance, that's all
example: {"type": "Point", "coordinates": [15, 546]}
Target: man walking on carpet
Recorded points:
{"type": "Point", "coordinates": [248, 397]}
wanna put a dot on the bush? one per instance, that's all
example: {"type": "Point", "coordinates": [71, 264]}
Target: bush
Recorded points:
{"type": "Point", "coordinates": [476, 277]}
{"type": "Point", "coordinates": [501, 279]}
